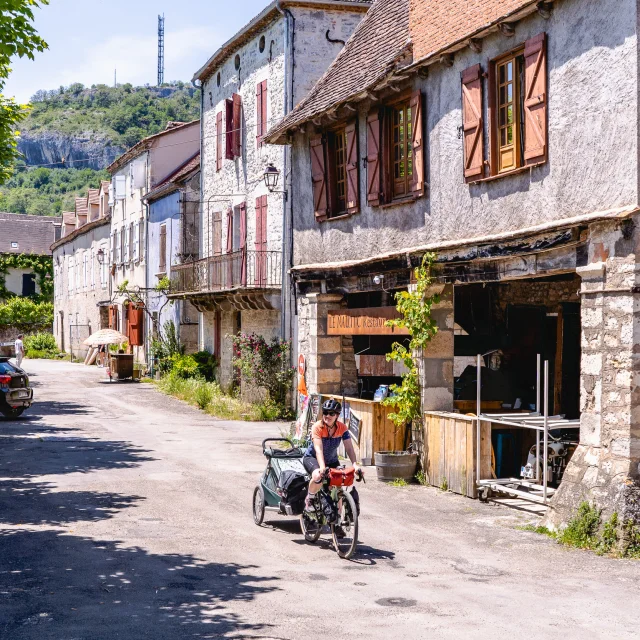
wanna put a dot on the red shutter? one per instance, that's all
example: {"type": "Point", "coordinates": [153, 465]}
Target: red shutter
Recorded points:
{"type": "Point", "coordinates": [261, 241]}
{"type": "Point", "coordinates": [136, 323]}
{"type": "Point", "coordinates": [228, 147]}
{"type": "Point", "coordinates": [353, 199]}
{"type": "Point", "coordinates": [472, 122]}
{"type": "Point", "coordinates": [319, 177]}
{"type": "Point", "coordinates": [243, 243]}
{"type": "Point", "coordinates": [125, 322]}
{"type": "Point", "coordinates": [261, 111]}
{"type": "Point", "coordinates": [374, 156]}
{"type": "Point", "coordinates": [229, 247]}
{"type": "Point", "coordinates": [535, 100]}
{"type": "Point", "coordinates": [219, 141]}
{"type": "Point", "coordinates": [237, 125]}
{"type": "Point", "coordinates": [417, 179]}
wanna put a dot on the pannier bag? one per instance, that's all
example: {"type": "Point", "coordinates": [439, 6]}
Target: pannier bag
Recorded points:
{"type": "Point", "coordinates": [329, 508]}
{"type": "Point", "coordinates": [341, 477]}
{"type": "Point", "coordinates": [292, 487]}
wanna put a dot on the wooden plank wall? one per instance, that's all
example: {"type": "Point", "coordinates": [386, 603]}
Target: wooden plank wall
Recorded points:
{"type": "Point", "coordinates": [449, 451]}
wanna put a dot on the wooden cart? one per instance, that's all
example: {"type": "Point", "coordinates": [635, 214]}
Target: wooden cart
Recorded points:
{"type": "Point", "coordinates": [121, 366]}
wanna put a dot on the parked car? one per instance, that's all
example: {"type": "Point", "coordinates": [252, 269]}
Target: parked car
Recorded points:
{"type": "Point", "coordinates": [15, 393]}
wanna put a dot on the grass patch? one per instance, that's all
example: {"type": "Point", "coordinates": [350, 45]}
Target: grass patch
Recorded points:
{"type": "Point", "coordinates": [444, 485]}
{"type": "Point", "coordinates": [586, 531]}
{"type": "Point", "coordinates": [209, 397]}
{"type": "Point", "coordinates": [421, 477]}
{"type": "Point", "coordinates": [399, 482]}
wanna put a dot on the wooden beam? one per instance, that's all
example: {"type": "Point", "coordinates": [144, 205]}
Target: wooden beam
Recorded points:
{"type": "Point", "coordinates": [507, 29]}
{"type": "Point", "coordinates": [545, 9]}
{"type": "Point", "coordinates": [447, 59]}
{"type": "Point", "coordinates": [475, 45]}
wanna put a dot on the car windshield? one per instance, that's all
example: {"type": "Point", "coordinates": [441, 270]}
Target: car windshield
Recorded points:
{"type": "Point", "coordinates": [7, 367]}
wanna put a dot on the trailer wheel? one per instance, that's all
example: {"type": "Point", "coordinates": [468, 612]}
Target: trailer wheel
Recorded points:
{"type": "Point", "coordinates": [258, 505]}
{"type": "Point", "coordinates": [484, 494]}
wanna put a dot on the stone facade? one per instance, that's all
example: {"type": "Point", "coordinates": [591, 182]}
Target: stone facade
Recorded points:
{"type": "Point", "coordinates": [267, 54]}
{"type": "Point", "coordinates": [605, 469]}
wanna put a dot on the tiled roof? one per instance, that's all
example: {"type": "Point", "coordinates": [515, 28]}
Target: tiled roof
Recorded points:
{"type": "Point", "coordinates": [34, 234]}
{"type": "Point", "coordinates": [258, 22]}
{"type": "Point", "coordinates": [104, 186]}
{"type": "Point", "coordinates": [145, 144]}
{"type": "Point", "coordinates": [172, 181]}
{"type": "Point", "coordinates": [94, 196]}
{"type": "Point", "coordinates": [438, 24]}
{"type": "Point", "coordinates": [82, 206]}
{"type": "Point", "coordinates": [69, 217]}
{"type": "Point", "coordinates": [376, 43]}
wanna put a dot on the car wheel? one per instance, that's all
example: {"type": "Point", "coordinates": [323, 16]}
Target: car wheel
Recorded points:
{"type": "Point", "coordinates": [13, 413]}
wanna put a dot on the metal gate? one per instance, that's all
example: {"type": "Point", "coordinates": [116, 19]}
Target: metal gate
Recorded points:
{"type": "Point", "coordinates": [78, 333]}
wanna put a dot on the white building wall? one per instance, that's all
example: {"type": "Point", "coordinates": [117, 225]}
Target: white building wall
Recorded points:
{"type": "Point", "coordinates": [13, 280]}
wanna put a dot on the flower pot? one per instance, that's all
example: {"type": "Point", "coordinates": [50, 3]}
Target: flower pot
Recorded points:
{"type": "Point", "coordinates": [391, 465]}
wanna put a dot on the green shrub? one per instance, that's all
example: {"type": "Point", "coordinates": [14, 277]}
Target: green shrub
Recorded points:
{"type": "Point", "coordinates": [269, 411]}
{"type": "Point", "coordinates": [609, 537]}
{"type": "Point", "coordinates": [26, 314]}
{"type": "Point", "coordinates": [207, 365]}
{"type": "Point", "coordinates": [203, 395]}
{"type": "Point", "coordinates": [162, 350]}
{"type": "Point", "coordinates": [184, 366]}
{"type": "Point", "coordinates": [40, 346]}
{"type": "Point", "coordinates": [582, 530]}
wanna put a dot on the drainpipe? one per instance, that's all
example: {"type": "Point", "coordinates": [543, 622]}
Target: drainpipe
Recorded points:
{"type": "Point", "coordinates": [287, 208]}
{"type": "Point", "coordinates": [199, 85]}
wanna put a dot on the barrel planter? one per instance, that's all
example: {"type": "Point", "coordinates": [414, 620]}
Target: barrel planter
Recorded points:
{"type": "Point", "coordinates": [393, 465]}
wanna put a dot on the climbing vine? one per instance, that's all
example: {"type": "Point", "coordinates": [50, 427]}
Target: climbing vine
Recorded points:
{"type": "Point", "coordinates": [42, 266]}
{"type": "Point", "coordinates": [415, 308]}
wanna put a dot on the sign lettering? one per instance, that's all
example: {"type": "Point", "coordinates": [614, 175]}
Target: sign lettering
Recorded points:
{"type": "Point", "coordinates": [373, 322]}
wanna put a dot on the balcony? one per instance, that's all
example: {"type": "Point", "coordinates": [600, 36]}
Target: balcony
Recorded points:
{"type": "Point", "coordinates": [242, 279]}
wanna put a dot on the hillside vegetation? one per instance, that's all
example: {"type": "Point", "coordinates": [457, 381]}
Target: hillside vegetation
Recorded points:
{"type": "Point", "coordinates": [82, 119]}
{"type": "Point", "coordinates": [47, 192]}
{"type": "Point", "coordinates": [124, 114]}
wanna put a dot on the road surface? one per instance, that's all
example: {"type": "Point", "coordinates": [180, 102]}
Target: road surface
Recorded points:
{"type": "Point", "coordinates": [127, 514]}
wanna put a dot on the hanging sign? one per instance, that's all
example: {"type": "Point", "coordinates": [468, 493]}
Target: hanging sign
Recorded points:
{"type": "Point", "coordinates": [364, 322]}
{"type": "Point", "coordinates": [354, 427]}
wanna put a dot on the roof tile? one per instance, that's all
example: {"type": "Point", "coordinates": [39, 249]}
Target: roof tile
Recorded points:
{"type": "Point", "coordinates": [33, 234]}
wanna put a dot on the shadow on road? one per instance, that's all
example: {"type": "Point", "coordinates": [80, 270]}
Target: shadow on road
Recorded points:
{"type": "Point", "coordinates": [37, 503]}
{"type": "Point", "coordinates": [63, 586]}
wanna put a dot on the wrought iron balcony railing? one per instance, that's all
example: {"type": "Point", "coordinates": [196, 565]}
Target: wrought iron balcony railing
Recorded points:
{"type": "Point", "coordinates": [237, 270]}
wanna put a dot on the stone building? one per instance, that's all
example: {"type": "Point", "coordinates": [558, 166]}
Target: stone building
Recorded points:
{"type": "Point", "coordinates": [174, 207]}
{"type": "Point", "coordinates": [139, 170]}
{"type": "Point", "coordinates": [503, 136]}
{"type": "Point", "coordinates": [251, 82]}
{"type": "Point", "coordinates": [81, 292]}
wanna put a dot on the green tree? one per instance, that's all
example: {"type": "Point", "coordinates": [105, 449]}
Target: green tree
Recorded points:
{"type": "Point", "coordinates": [17, 38]}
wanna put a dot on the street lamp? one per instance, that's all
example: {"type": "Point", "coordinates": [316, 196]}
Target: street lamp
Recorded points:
{"type": "Point", "coordinates": [100, 256]}
{"type": "Point", "coordinates": [271, 176]}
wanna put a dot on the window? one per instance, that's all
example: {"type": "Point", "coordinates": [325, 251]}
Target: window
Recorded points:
{"type": "Point", "coordinates": [104, 271]}
{"type": "Point", "coordinates": [395, 153]}
{"type": "Point", "coordinates": [334, 172]}
{"type": "Point", "coordinates": [517, 112]}
{"type": "Point", "coordinates": [118, 248]}
{"type": "Point", "coordinates": [112, 240]}
{"type": "Point", "coordinates": [136, 241]}
{"type": "Point", "coordinates": [71, 279]}
{"type": "Point", "coordinates": [262, 44]}
{"type": "Point", "coordinates": [131, 242]}
{"type": "Point", "coordinates": [162, 258]}
{"type": "Point", "coordinates": [125, 249]}
{"type": "Point", "coordinates": [233, 135]}
{"type": "Point", "coordinates": [93, 269]}
{"type": "Point", "coordinates": [216, 231]}
{"type": "Point", "coordinates": [28, 284]}
{"type": "Point", "coordinates": [261, 111]}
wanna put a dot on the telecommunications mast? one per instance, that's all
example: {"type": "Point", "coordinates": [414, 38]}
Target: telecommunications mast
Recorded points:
{"type": "Point", "coordinates": [161, 50]}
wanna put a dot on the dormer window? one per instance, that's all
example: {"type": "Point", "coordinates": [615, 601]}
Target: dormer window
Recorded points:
{"type": "Point", "coordinates": [14, 245]}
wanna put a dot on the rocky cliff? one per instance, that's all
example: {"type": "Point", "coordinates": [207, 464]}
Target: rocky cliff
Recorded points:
{"type": "Point", "coordinates": [56, 149]}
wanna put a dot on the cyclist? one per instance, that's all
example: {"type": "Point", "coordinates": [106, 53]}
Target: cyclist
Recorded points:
{"type": "Point", "coordinates": [322, 453]}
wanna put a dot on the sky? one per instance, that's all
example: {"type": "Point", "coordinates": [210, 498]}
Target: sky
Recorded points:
{"type": "Point", "coordinates": [88, 39]}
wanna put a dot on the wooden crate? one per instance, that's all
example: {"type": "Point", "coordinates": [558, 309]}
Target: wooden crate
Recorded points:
{"type": "Point", "coordinates": [377, 431]}
{"type": "Point", "coordinates": [448, 451]}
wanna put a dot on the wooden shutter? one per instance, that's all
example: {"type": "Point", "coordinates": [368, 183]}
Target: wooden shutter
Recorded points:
{"type": "Point", "coordinates": [237, 126]}
{"type": "Point", "coordinates": [219, 141]}
{"type": "Point", "coordinates": [162, 258]}
{"type": "Point", "coordinates": [261, 241]}
{"type": "Point", "coordinates": [125, 321]}
{"type": "Point", "coordinates": [374, 158]}
{"type": "Point", "coordinates": [535, 100]}
{"type": "Point", "coordinates": [417, 178]}
{"type": "Point", "coordinates": [228, 147]}
{"type": "Point", "coordinates": [353, 199]}
{"type": "Point", "coordinates": [319, 177]}
{"type": "Point", "coordinates": [229, 247]}
{"type": "Point", "coordinates": [261, 111]}
{"type": "Point", "coordinates": [136, 323]}
{"type": "Point", "coordinates": [243, 243]}
{"type": "Point", "coordinates": [472, 122]}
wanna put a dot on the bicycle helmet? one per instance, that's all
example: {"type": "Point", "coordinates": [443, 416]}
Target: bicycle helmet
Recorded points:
{"type": "Point", "coordinates": [331, 405]}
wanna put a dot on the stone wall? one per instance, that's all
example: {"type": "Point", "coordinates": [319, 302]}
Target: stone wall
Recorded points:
{"type": "Point", "coordinates": [537, 292]}
{"type": "Point", "coordinates": [605, 469]}
{"type": "Point", "coordinates": [592, 44]}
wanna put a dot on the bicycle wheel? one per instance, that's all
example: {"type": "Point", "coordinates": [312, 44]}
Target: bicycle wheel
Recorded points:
{"type": "Point", "coordinates": [258, 505]}
{"type": "Point", "coordinates": [310, 527]}
{"type": "Point", "coordinates": [348, 525]}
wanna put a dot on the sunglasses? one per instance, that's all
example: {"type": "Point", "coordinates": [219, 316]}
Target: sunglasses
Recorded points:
{"type": "Point", "coordinates": [331, 414]}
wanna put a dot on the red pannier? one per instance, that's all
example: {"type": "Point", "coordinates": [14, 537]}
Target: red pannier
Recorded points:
{"type": "Point", "coordinates": [341, 477]}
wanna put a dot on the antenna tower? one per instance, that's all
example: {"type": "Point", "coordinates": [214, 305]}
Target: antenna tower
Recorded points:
{"type": "Point", "coordinates": [161, 49]}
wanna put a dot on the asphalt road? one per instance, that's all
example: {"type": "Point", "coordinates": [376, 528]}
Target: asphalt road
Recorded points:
{"type": "Point", "coordinates": [126, 514]}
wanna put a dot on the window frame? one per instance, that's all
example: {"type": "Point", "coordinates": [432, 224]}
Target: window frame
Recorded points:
{"type": "Point", "coordinates": [391, 108]}
{"type": "Point", "coordinates": [516, 56]}
{"type": "Point", "coordinates": [337, 205]}
{"type": "Point", "coordinates": [162, 249]}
